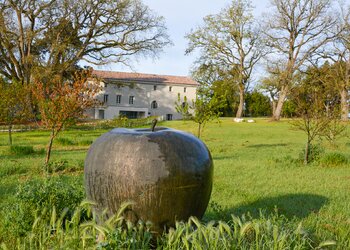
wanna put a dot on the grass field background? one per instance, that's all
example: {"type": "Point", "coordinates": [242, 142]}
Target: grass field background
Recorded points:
{"type": "Point", "coordinates": [257, 172]}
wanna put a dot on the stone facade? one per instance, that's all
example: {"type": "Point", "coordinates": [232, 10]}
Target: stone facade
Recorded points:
{"type": "Point", "coordinates": [137, 95]}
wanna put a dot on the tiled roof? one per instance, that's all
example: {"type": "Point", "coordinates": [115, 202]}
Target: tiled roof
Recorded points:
{"type": "Point", "coordinates": [144, 77]}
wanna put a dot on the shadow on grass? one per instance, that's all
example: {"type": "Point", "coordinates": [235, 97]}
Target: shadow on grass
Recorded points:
{"type": "Point", "coordinates": [267, 145]}
{"type": "Point", "coordinates": [290, 205]}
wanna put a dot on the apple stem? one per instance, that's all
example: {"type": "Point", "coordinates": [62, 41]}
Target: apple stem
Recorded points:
{"type": "Point", "coordinates": [154, 123]}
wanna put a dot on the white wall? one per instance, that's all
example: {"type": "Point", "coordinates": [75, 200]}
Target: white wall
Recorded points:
{"type": "Point", "coordinates": [144, 95]}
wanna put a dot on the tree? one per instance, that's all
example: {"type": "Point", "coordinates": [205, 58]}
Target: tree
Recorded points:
{"type": "Point", "coordinates": [295, 31]}
{"type": "Point", "coordinates": [182, 107]}
{"type": "Point", "coordinates": [50, 37]}
{"type": "Point", "coordinates": [340, 55]}
{"type": "Point", "coordinates": [257, 104]}
{"type": "Point", "coordinates": [230, 41]}
{"type": "Point", "coordinates": [14, 104]}
{"type": "Point", "coordinates": [62, 103]}
{"type": "Point", "coordinates": [271, 84]}
{"type": "Point", "coordinates": [205, 110]}
{"type": "Point", "coordinates": [317, 106]}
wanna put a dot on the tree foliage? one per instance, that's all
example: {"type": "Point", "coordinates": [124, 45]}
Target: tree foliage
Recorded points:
{"type": "Point", "coordinates": [183, 107]}
{"type": "Point", "coordinates": [257, 104]}
{"type": "Point", "coordinates": [317, 104]}
{"type": "Point", "coordinates": [51, 37]}
{"type": "Point", "coordinates": [61, 104]}
{"type": "Point", "coordinates": [14, 104]}
{"type": "Point", "coordinates": [205, 110]}
{"type": "Point", "coordinates": [229, 41]}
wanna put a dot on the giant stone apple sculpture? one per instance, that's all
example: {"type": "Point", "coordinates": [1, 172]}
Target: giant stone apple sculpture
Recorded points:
{"type": "Point", "coordinates": [166, 173]}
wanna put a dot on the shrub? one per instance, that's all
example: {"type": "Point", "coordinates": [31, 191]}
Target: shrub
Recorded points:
{"type": "Point", "coordinates": [50, 192]}
{"type": "Point", "coordinates": [56, 166]}
{"type": "Point", "coordinates": [315, 153]}
{"type": "Point", "coordinates": [22, 150]}
{"type": "Point", "coordinates": [35, 196]}
{"type": "Point", "coordinates": [333, 159]}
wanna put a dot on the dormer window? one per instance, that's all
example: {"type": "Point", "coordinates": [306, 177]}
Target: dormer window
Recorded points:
{"type": "Point", "coordinates": [154, 105]}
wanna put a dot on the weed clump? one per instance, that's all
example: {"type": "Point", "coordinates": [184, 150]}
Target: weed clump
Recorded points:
{"type": "Point", "coordinates": [21, 150]}
{"type": "Point", "coordinates": [64, 141]}
{"type": "Point", "coordinates": [315, 153]}
{"type": "Point", "coordinates": [333, 159]}
{"type": "Point", "coordinates": [36, 196]}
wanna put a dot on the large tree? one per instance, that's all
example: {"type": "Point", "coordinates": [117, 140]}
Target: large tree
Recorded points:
{"type": "Point", "coordinates": [51, 36]}
{"type": "Point", "coordinates": [340, 55]}
{"type": "Point", "coordinates": [229, 40]}
{"type": "Point", "coordinates": [295, 31]}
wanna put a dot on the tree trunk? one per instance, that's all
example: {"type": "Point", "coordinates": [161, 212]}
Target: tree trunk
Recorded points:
{"type": "Point", "coordinates": [307, 153]}
{"type": "Point", "coordinates": [278, 110]}
{"type": "Point", "coordinates": [273, 102]}
{"type": "Point", "coordinates": [10, 134]}
{"type": "Point", "coordinates": [199, 131]}
{"type": "Point", "coordinates": [344, 104]}
{"type": "Point", "coordinates": [241, 103]}
{"type": "Point", "coordinates": [48, 150]}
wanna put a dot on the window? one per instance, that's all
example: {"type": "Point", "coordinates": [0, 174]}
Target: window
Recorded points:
{"type": "Point", "coordinates": [101, 114]}
{"type": "Point", "coordinates": [170, 88]}
{"type": "Point", "coordinates": [184, 104]}
{"type": "Point", "coordinates": [118, 99]}
{"type": "Point", "coordinates": [154, 105]}
{"type": "Point", "coordinates": [184, 89]}
{"type": "Point", "coordinates": [105, 99]}
{"type": "Point", "coordinates": [154, 87]}
{"type": "Point", "coordinates": [106, 84]}
{"type": "Point", "coordinates": [169, 117]}
{"type": "Point", "coordinates": [131, 99]}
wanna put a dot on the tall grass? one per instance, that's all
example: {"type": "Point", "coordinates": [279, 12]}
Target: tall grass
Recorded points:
{"type": "Point", "coordinates": [56, 231]}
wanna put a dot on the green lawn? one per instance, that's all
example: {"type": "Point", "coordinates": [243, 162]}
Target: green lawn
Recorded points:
{"type": "Point", "coordinates": [256, 170]}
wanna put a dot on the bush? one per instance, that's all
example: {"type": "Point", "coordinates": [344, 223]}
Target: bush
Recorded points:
{"type": "Point", "coordinates": [22, 150]}
{"type": "Point", "coordinates": [315, 153]}
{"type": "Point", "coordinates": [333, 159]}
{"type": "Point", "coordinates": [35, 196]}
{"type": "Point", "coordinates": [50, 192]}
{"type": "Point", "coordinates": [257, 104]}
{"type": "Point", "coordinates": [56, 166]}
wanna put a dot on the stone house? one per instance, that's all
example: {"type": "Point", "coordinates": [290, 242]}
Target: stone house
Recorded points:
{"type": "Point", "coordinates": [137, 95]}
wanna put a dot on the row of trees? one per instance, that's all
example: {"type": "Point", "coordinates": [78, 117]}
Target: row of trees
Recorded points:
{"type": "Point", "coordinates": [59, 104]}
{"type": "Point", "coordinates": [292, 36]}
